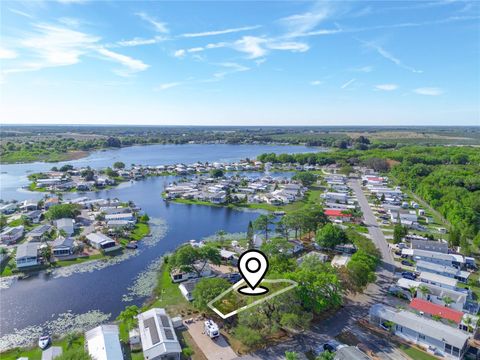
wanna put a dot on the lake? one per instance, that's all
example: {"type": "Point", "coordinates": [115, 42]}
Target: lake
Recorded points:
{"type": "Point", "coordinates": [56, 302]}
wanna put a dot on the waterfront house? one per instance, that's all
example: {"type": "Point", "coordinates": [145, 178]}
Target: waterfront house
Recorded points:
{"type": "Point", "coordinates": [101, 242]}
{"type": "Point", "coordinates": [438, 280]}
{"type": "Point", "coordinates": [8, 208]}
{"type": "Point", "coordinates": [158, 337]}
{"type": "Point", "coordinates": [29, 205]}
{"type": "Point", "coordinates": [50, 202]}
{"type": "Point", "coordinates": [120, 224]}
{"type": "Point", "coordinates": [103, 343]}
{"type": "Point", "coordinates": [27, 255]}
{"type": "Point", "coordinates": [11, 235]}
{"type": "Point", "coordinates": [178, 275]}
{"type": "Point", "coordinates": [435, 336]}
{"type": "Point", "coordinates": [63, 246]}
{"type": "Point", "coordinates": [228, 256]}
{"type": "Point", "coordinates": [38, 233]}
{"type": "Point", "coordinates": [122, 216]}
{"type": "Point", "coordinates": [65, 224]}
{"type": "Point", "coordinates": [186, 288]}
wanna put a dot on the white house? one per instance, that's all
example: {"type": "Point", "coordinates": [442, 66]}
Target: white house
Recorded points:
{"type": "Point", "coordinates": [10, 235]}
{"type": "Point", "coordinates": [159, 340]}
{"type": "Point", "coordinates": [178, 275]}
{"type": "Point", "coordinates": [186, 288]}
{"type": "Point", "coordinates": [448, 271]}
{"type": "Point", "coordinates": [452, 260]}
{"type": "Point", "coordinates": [429, 245]}
{"type": "Point", "coordinates": [38, 233]}
{"type": "Point", "coordinates": [442, 339]}
{"type": "Point", "coordinates": [438, 280]}
{"type": "Point", "coordinates": [27, 255]}
{"type": "Point", "coordinates": [8, 208]}
{"type": "Point", "coordinates": [103, 343]}
{"type": "Point", "coordinates": [101, 241]}
{"type": "Point", "coordinates": [121, 216]}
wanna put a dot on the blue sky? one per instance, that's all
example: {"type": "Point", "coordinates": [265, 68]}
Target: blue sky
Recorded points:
{"type": "Point", "coordinates": [240, 63]}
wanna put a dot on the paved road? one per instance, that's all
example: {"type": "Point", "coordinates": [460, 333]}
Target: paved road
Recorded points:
{"type": "Point", "coordinates": [356, 305]}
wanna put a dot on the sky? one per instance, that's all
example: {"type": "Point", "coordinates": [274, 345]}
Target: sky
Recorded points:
{"type": "Point", "coordinates": [240, 62]}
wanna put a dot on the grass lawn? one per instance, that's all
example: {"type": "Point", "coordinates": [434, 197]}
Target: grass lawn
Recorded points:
{"type": "Point", "coordinates": [140, 231]}
{"type": "Point", "coordinates": [36, 353]}
{"type": "Point", "coordinates": [168, 294]}
{"type": "Point", "coordinates": [416, 354]}
{"type": "Point", "coordinates": [78, 260]}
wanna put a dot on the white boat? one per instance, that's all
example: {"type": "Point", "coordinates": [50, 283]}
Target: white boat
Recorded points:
{"type": "Point", "coordinates": [43, 342]}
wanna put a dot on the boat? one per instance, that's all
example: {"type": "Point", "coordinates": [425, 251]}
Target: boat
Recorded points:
{"type": "Point", "coordinates": [44, 341]}
{"type": "Point", "coordinates": [132, 245]}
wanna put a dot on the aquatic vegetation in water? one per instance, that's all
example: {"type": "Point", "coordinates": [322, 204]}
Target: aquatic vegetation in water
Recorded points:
{"type": "Point", "coordinates": [158, 230]}
{"type": "Point", "coordinates": [6, 281]}
{"type": "Point", "coordinates": [145, 282]}
{"type": "Point", "coordinates": [65, 323]}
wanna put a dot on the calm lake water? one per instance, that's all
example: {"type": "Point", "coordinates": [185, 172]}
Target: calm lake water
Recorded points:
{"type": "Point", "coordinates": [41, 298]}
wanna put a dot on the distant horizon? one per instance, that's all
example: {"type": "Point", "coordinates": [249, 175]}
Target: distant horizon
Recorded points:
{"type": "Point", "coordinates": [255, 63]}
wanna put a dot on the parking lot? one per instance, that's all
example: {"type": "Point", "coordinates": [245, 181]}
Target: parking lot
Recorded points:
{"type": "Point", "coordinates": [212, 349]}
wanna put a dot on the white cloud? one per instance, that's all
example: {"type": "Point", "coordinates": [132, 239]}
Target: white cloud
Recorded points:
{"type": "Point", "coordinates": [180, 53]}
{"type": "Point", "coordinates": [216, 45]}
{"type": "Point", "coordinates": [429, 91]}
{"type": "Point", "coordinates": [363, 69]}
{"type": "Point", "coordinates": [53, 46]}
{"type": "Point", "coordinates": [195, 49]}
{"type": "Point", "coordinates": [230, 68]}
{"type": "Point", "coordinates": [347, 84]}
{"type": "Point", "coordinates": [132, 65]}
{"type": "Point", "coordinates": [21, 13]}
{"type": "Point", "coordinates": [7, 53]}
{"type": "Point", "coordinates": [252, 46]}
{"type": "Point", "coordinates": [140, 41]}
{"type": "Point", "coordinates": [167, 86]}
{"type": "Point", "coordinates": [221, 32]}
{"type": "Point", "coordinates": [389, 56]}
{"type": "Point", "coordinates": [386, 87]}
{"type": "Point", "coordinates": [158, 25]}
{"type": "Point", "coordinates": [316, 82]}
{"type": "Point", "coordinates": [291, 46]}
{"type": "Point", "coordinates": [299, 24]}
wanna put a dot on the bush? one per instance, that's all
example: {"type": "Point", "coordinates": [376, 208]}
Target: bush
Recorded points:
{"type": "Point", "coordinates": [248, 336]}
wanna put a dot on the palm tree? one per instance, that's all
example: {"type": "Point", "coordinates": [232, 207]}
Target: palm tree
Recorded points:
{"type": "Point", "coordinates": [413, 291]}
{"type": "Point", "coordinates": [447, 300]}
{"type": "Point", "coordinates": [468, 321]}
{"type": "Point", "coordinates": [424, 290]}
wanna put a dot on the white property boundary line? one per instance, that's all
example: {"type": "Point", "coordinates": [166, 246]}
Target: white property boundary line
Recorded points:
{"type": "Point", "coordinates": [241, 282]}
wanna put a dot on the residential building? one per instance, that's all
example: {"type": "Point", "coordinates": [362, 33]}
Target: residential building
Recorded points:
{"type": "Point", "coordinates": [340, 260]}
{"type": "Point", "coordinates": [121, 216]}
{"type": "Point", "coordinates": [337, 214]}
{"type": "Point", "coordinates": [438, 280]}
{"type": "Point", "coordinates": [65, 224]}
{"type": "Point", "coordinates": [442, 339]}
{"type": "Point", "coordinates": [159, 340]}
{"type": "Point", "coordinates": [430, 245]}
{"type": "Point", "coordinates": [335, 197]}
{"type": "Point", "coordinates": [8, 208]}
{"type": "Point", "coordinates": [447, 271]}
{"type": "Point", "coordinates": [34, 216]}
{"type": "Point", "coordinates": [178, 276]}
{"type": "Point", "coordinates": [186, 288]}
{"type": "Point", "coordinates": [38, 233]}
{"type": "Point", "coordinates": [103, 343]}
{"type": "Point", "coordinates": [63, 246]}
{"type": "Point", "coordinates": [437, 295]}
{"type": "Point", "coordinates": [29, 205]}
{"type": "Point", "coordinates": [50, 202]}
{"type": "Point", "coordinates": [101, 241]}
{"type": "Point", "coordinates": [27, 255]}
{"type": "Point", "coordinates": [11, 235]}
{"type": "Point", "coordinates": [451, 260]}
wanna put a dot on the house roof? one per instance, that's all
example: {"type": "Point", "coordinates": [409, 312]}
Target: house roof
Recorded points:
{"type": "Point", "coordinates": [437, 310]}
{"type": "Point", "coordinates": [63, 242]}
{"type": "Point", "coordinates": [335, 212]}
{"type": "Point", "coordinates": [39, 230]}
{"type": "Point", "coordinates": [157, 334]}
{"type": "Point", "coordinates": [103, 342]}
{"type": "Point", "coordinates": [421, 325]}
{"type": "Point", "coordinates": [27, 250]}
{"type": "Point", "coordinates": [424, 275]}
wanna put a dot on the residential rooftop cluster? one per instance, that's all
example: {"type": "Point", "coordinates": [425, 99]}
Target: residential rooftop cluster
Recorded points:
{"type": "Point", "coordinates": [31, 238]}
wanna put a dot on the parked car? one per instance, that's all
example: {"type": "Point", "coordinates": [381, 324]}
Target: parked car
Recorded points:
{"type": "Point", "coordinates": [233, 278]}
{"type": "Point", "coordinates": [409, 275]}
{"type": "Point", "coordinates": [44, 341]}
{"type": "Point", "coordinates": [331, 345]}
{"type": "Point", "coordinates": [406, 263]}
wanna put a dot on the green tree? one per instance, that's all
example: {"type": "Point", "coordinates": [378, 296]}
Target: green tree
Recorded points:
{"type": "Point", "coordinates": [216, 173]}
{"type": "Point", "coordinates": [3, 221]}
{"type": "Point", "coordinates": [187, 256]}
{"type": "Point", "coordinates": [128, 316]}
{"type": "Point", "coordinates": [208, 289]}
{"type": "Point", "coordinates": [62, 211]}
{"type": "Point", "coordinates": [291, 355]}
{"type": "Point", "coordinates": [399, 232]}
{"type": "Point", "coordinates": [263, 223]}
{"type": "Point", "coordinates": [326, 355]}
{"type": "Point", "coordinates": [119, 165]}
{"type": "Point", "coordinates": [305, 177]}
{"type": "Point", "coordinates": [46, 253]}
{"type": "Point", "coordinates": [74, 354]}
{"type": "Point", "coordinates": [330, 235]}
{"type": "Point", "coordinates": [248, 336]}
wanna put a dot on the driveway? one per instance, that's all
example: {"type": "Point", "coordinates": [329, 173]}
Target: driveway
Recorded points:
{"type": "Point", "coordinates": [212, 349]}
